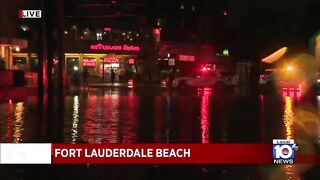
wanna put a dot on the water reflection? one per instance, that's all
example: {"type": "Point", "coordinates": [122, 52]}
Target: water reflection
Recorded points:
{"type": "Point", "coordinates": [75, 120]}
{"type": "Point", "coordinates": [15, 122]}
{"type": "Point", "coordinates": [288, 119]}
{"type": "Point", "coordinates": [205, 115]}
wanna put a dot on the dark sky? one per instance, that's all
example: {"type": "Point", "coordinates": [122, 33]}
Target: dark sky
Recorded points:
{"type": "Point", "coordinates": [294, 9]}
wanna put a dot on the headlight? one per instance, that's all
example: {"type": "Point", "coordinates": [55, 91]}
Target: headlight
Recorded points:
{"type": "Point", "coordinates": [318, 80]}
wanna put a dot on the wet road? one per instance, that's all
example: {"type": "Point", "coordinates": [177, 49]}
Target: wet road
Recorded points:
{"type": "Point", "coordinates": [153, 115]}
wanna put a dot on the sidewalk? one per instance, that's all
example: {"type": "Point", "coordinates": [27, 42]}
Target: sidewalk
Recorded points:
{"type": "Point", "coordinates": [122, 85]}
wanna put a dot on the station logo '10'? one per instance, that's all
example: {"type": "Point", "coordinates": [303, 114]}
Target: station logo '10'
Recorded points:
{"type": "Point", "coordinates": [283, 151]}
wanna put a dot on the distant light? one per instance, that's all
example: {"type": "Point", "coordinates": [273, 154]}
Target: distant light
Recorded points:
{"type": "Point", "coordinates": [17, 49]}
{"type": "Point", "coordinates": [55, 61]}
{"type": "Point", "coordinates": [157, 31]}
{"type": "Point", "coordinates": [131, 61]}
{"type": "Point", "coordinates": [225, 52]}
{"type": "Point", "coordinates": [74, 27]}
{"type": "Point", "coordinates": [289, 68]}
{"type": "Point", "coordinates": [225, 13]}
{"type": "Point", "coordinates": [65, 32]}
{"type": "Point", "coordinates": [75, 68]}
{"type": "Point", "coordinates": [168, 55]}
{"type": "Point", "coordinates": [107, 29]}
{"type": "Point", "coordinates": [123, 34]}
{"type": "Point", "coordinates": [130, 83]}
{"type": "Point", "coordinates": [318, 80]}
{"type": "Point", "coordinates": [193, 8]}
{"type": "Point", "coordinates": [182, 5]}
{"type": "Point", "coordinates": [24, 28]}
{"type": "Point", "coordinates": [10, 101]}
{"type": "Point", "coordinates": [113, 2]}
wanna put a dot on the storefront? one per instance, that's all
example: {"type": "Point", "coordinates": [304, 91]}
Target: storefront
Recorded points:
{"type": "Point", "coordinates": [100, 65]}
{"type": "Point", "coordinates": [101, 58]}
{"type": "Point", "coordinates": [184, 56]}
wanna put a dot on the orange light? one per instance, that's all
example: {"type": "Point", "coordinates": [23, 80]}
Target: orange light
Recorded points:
{"type": "Point", "coordinates": [289, 68]}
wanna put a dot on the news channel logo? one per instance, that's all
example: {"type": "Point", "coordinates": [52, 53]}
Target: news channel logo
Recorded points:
{"type": "Point", "coordinates": [283, 151]}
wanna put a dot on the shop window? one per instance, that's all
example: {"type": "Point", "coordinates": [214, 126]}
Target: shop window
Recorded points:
{"type": "Point", "coordinates": [34, 64]}
{"type": "Point", "coordinates": [19, 63]}
{"type": "Point", "coordinates": [72, 63]}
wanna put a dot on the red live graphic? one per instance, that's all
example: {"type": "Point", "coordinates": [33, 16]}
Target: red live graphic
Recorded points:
{"type": "Point", "coordinates": [162, 154]}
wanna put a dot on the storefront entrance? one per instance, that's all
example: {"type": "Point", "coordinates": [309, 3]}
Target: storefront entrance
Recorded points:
{"type": "Point", "coordinates": [99, 66]}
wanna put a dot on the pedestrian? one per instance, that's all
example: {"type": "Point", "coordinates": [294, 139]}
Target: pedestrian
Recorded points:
{"type": "Point", "coordinates": [85, 76]}
{"type": "Point", "coordinates": [113, 74]}
{"type": "Point", "coordinates": [76, 79]}
{"type": "Point", "coordinates": [172, 76]}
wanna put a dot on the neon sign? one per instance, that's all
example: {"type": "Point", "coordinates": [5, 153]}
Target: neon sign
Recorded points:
{"type": "Point", "coordinates": [107, 29]}
{"type": "Point", "coordinates": [186, 58]}
{"type": "Point", "coordinates": [131, 61]}
{"type": "Point", "coordinates": [89, 62]}
{"type": "Point", "coordinates": [107, 47]}
{"type": "Point", "coordinates": [111, 60]}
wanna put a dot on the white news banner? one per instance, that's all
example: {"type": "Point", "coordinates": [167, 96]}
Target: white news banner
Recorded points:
{"type": "Point", "coordinates": [25, 153]}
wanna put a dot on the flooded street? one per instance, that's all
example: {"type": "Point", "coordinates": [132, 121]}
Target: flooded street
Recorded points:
{"type": "Point", "coordinates": [153, 115]}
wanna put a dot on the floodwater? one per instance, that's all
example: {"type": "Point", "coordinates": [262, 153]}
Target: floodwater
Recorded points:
{"type": "Point", "coordinates": [154, 115]}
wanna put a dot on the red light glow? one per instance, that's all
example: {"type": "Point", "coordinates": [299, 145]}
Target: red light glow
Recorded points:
{"type": "Point", "coordinates": [107, 47]}
{"type": "Point", "coordinates": [156, 31]}
{"type": "Point", "coordinates": [89, 62]}
{"type": "Point", "coordinates": [55, 61]}
{"type": "Point", "coordinates": [107, 29]}
{"type": "Point", "coordinates": [111, 60]}
{"type": "Point", "coordinates": [131, 61]}
{"type": "Point", "coordinates": [262, 76]}
{"type": "Point", "coordinates": [130, 83]}
{"type": "Point", "coordinates": [10, 101]}
{"type": "Point", "coordinates": [186, 58]}
{"type": "Point", "coordinates": [225, 13]}
{"type": "Point", "coordinates": [205, 116]}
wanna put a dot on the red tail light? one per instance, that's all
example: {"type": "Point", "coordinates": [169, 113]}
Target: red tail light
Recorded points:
{"type": "Point", "coordinates": [130, 83]}
{"type": "Point", "coordinates": [262, 76]}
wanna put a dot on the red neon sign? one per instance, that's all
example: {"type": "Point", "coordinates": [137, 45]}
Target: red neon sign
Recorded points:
{"type": "Point", "coordinates": [131, 61]}
{"type": "Point", "coordinates": [114, 47]}
{"type": "Point", "coordinates": [107, 29]}
{"type": "Point", "coordinates": [89, 61]}
{"type": "Point", "coordinates": [186, 58]}
{"type": "Point", "coordinates": [111, 60]}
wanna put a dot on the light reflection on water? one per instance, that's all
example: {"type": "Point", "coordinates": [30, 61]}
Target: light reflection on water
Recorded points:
{"type": "Point", "coordinates": [14, 130]}
{"type": "Point", "coordinates": [205, 116]}
{"type": "Point", "coordinates": [288, 119]}
{"type": "Point", "coordinates": [75, 119]}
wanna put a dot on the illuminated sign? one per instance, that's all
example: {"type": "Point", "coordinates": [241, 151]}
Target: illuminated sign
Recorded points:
{"type": "Point", "coordinates": [107, 29]}
{"type": "Point", "coordinates": [89, 61]}
{"type": "Point", "coordinates": [29, 14]}
{"type": "Point", "coordinates": [171, 62]}
{"type": "Point", "coordinates": [111, 60]}
{"type": "Point", "coordinates": [131, 61]}
{"type": "Point", "coordinates": [186, 58]}
{"type": "Point", "coordinates": [106, 47]}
